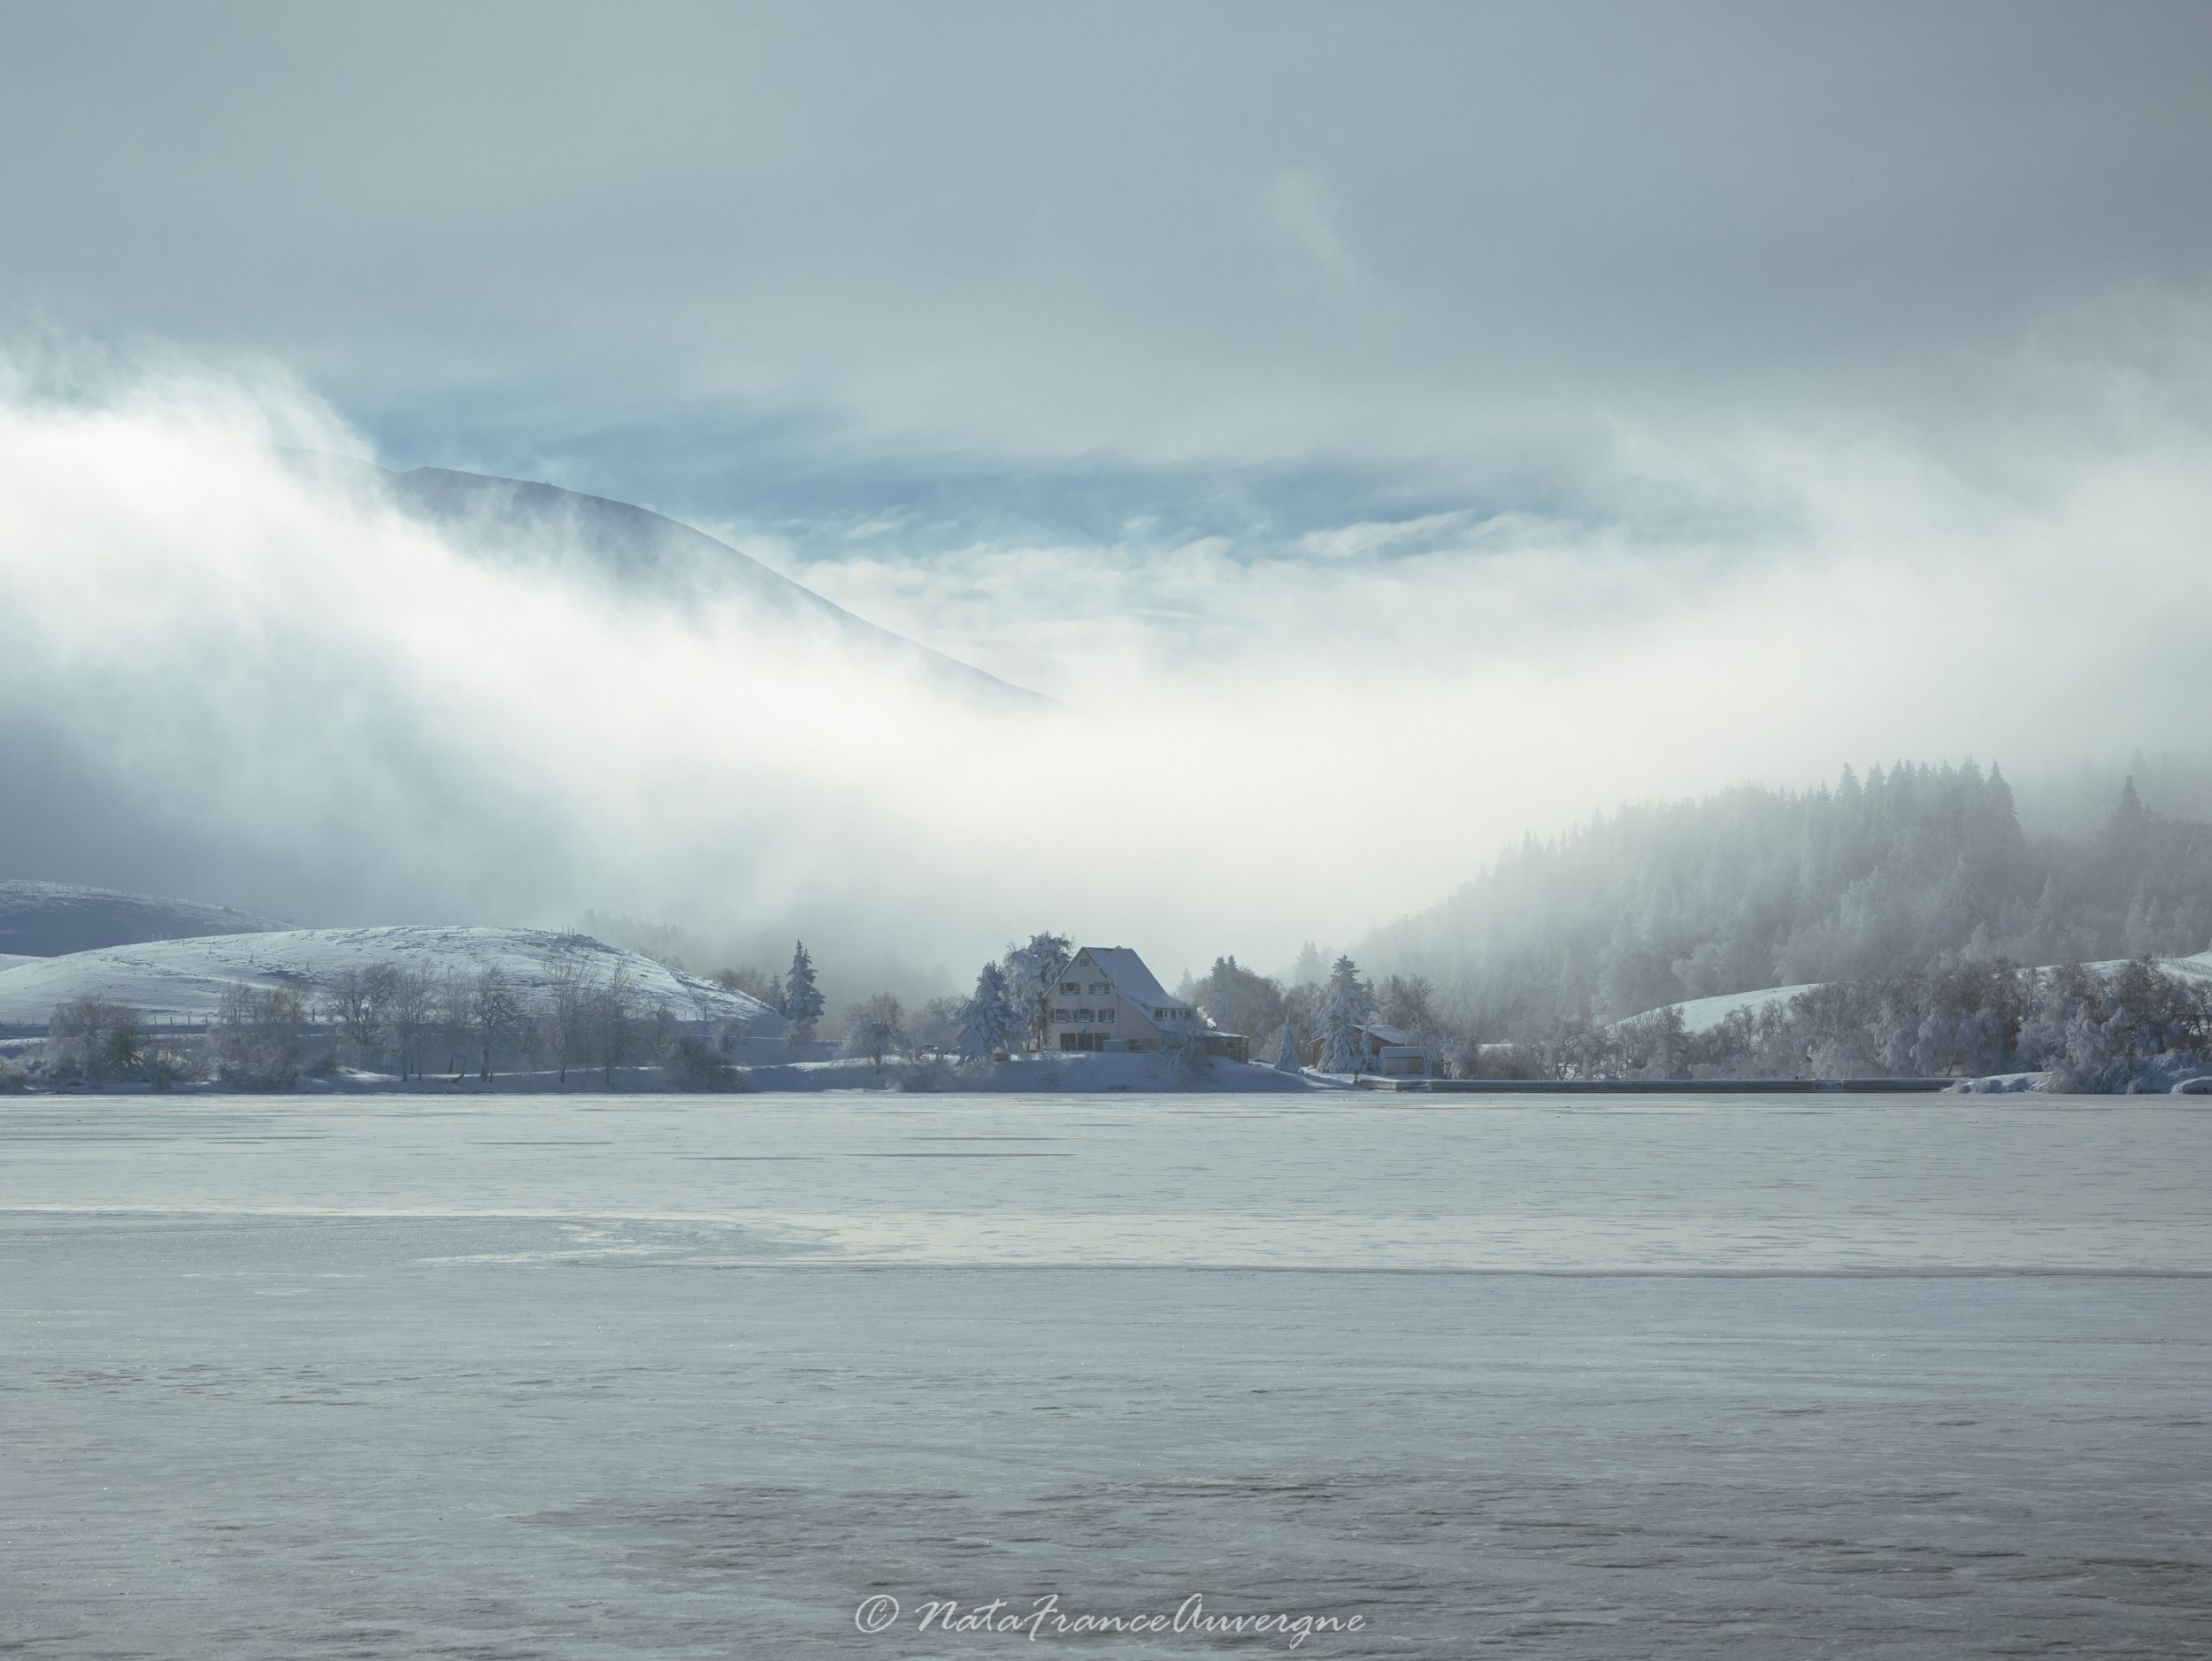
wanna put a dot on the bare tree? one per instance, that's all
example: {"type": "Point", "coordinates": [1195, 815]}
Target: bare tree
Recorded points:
{"type": "Point", "coordinates": [493, 1010]}
{"type": "Point", "coordinates": [611, 1023]}
{"type": "Point", "coordinates": [566, 1025]}
{"type": "Point", "coordinates": [456, 1020]}
{"type": "Point", "coordinates": [413, 1006]}
{"type": "Point", "coordinates": [348, 1006]}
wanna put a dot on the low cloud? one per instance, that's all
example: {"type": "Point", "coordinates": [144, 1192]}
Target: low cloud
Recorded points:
{"type": "Point", "coordinates": [228, 677]}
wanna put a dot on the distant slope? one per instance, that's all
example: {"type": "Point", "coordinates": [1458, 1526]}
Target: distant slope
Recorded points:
{"type": "Point", "coordinates": [45, 920]}
{"type": "Point", "coordinates": [185, 979]}
{"type": "Point", "coordinates": [1702, 1015]}
{"type": "Point", "coordinates": [522, 522]}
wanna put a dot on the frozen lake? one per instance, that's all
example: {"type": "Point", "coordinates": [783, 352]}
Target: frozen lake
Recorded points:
{"type": "Point", "coordinates": [585, 1376]}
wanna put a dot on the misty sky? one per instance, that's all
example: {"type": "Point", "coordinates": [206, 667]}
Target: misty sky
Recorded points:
{"type": "Point", "coordinates": [1572, 403]}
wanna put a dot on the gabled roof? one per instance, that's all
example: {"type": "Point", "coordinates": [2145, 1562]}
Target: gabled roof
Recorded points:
{"type": "Point", "coordinates": [1388, 1035]}
{"type": "Point", "coordinates": [1125, 970]}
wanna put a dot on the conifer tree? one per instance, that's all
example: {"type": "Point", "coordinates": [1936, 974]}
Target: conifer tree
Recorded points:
{"type": "Point", "coordinates": [990, 1025]}
{"type": "Point", "coordinates": [802, 1001]}
{"type": "Point", "coordinates": [1342, 1013]}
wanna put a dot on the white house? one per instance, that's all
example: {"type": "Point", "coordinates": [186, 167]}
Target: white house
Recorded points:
{"type": "Point", "coordinates": [1107, 999]}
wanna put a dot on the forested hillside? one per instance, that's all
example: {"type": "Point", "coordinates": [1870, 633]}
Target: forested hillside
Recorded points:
{"type": "Point", "coordinates": [1909, 872]}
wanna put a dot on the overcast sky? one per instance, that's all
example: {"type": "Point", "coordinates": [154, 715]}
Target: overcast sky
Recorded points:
{"type": "Point", "coordinates": [1256, 362]}
{"type": "Point", "coordinates": [1059, 266]}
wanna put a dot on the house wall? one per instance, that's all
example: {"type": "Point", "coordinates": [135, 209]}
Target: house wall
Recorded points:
{"type": "Point", "coordinates": [1130, 1022]}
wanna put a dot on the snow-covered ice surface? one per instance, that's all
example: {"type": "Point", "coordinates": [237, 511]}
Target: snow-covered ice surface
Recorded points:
{"type": "Point", "coordinates": [1727, 1377]}
{"type": "Point", "coordinates": [185, 979]}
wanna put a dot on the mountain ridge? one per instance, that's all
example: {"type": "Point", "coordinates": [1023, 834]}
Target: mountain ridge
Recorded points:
{"type": "Point", "coordinates": [524, 520]}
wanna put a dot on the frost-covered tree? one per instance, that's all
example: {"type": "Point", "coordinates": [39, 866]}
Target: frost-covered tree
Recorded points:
{"type": "Point", "coordinates": [255, 1036]}
{"type": "Point", "coordinates": [1033, 973]}
{"type": "Point", "coordinates": [1286, 1057]}
{"type": "Point", "coordinates": [764, 985]}
{"type": "Point", "coordinates": [96, 1038]}
{"type": "Point", "coordinates": [1409, 1001]}
{"type": "Point", "coordinates": [937, 1023]}
{"type": "Point", "coordinates": [802, 999]}
{"type": "Point", "coordinates": [1342, 1009]}
{"type": "Point", "coordinates": [1239, 1000]}
{"type": "Point", "coordinates": [1897, 874]}
{"type": "Point", "coordinates": [876, 1028]}
{"type": "Point", "coordinates": [990, 1025]}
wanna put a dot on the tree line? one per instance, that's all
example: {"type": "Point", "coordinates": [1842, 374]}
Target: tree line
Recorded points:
{"type": "Point", "coordinates": [405, 1020]}
{"type": "Point", "coordinates": [1912, 870]}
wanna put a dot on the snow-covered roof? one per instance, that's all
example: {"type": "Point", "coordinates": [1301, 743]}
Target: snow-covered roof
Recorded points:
{"type": "Point", "coordinates": [1389, 1034]}
{"type": "Point", "coordinates": [1126, 974]}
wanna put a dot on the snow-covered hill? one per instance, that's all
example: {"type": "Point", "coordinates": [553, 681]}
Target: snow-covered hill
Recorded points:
{"type": "Point", "coordinates": [1702, 1015]}
{"type": "Point", "coordinates": [45, 920]}
{"type": "Point", "coordinates": [185, 979]}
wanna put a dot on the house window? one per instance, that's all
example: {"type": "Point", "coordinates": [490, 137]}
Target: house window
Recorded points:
{"type": "Point", "coordinates": [1070, 986]}
{"type": "Point", "coordinates": [1097, 987]}
{"type": "Point", "coordinates": [1061, 1015]}
{"type": "Point", "coordinates": [1083, 1015]}
{"type": "Point", "coordinates": [1106, 1015]}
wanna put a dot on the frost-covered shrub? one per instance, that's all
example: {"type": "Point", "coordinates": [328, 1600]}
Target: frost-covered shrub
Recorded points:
{"type": "Point", "coordinates": [255, 1038]}
{"type": "Point", "coordinates": [93, 1038]}
{"type": "Point", "coordinates": [692, 1063]}
{"type": "Point", "coordinates": [166, 1062]}
{"type": "Point", "coordinates": [926, 1073]}
{"type": "Point", "coordinates": [14, 1076]}
{"type": "Point", "coordinates": [1186, 1056]}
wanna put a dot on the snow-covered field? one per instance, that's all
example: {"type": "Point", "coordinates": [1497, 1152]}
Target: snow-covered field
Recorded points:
{"type": "Point", "coordinates": [185, 979]}
{"type": "Point", "coordinates": [392, 1376]}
